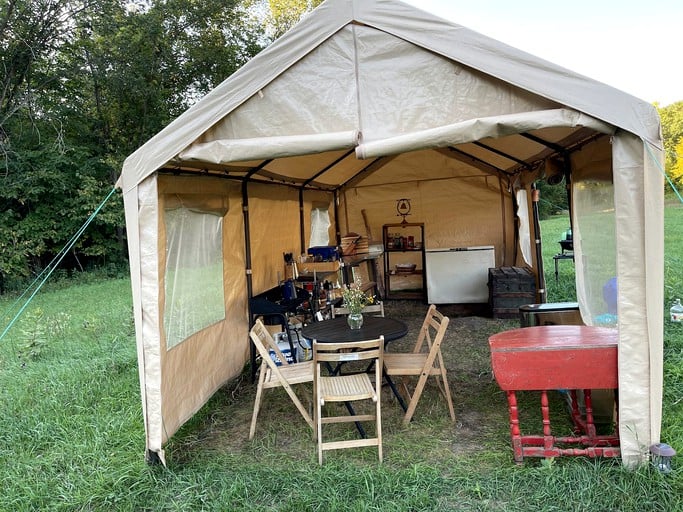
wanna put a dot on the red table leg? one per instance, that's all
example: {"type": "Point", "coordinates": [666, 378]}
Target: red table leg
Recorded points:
{"type": "Point", "coordinates": [514, 427]}
{"type": "Point", "coordinates": [590, 422]}
{"type": "Point", "coordinates": [548, 440]}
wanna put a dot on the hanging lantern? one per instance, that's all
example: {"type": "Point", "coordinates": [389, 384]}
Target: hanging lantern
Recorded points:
{"type": "Point", "coordinates": [661, 456]}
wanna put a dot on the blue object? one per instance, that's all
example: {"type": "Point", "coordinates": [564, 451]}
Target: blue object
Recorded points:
{"type": "Point", "coordinates": [606, 320]}
{"type": "Point", "coordinates": [289, 290]}
{"type": "Point", "coordinates": [324, 253]}
{"type": "Point", "coordinates": [287, 352]}
{"type": "Point", "coordinates": [609, 293]}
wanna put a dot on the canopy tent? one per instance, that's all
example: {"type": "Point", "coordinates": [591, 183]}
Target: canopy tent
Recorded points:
{"type": "Point", "coordinates": [361, 103]}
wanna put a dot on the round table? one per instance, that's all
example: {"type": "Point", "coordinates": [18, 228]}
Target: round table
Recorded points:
{"type": "Point", "coordinates": [337, 330]}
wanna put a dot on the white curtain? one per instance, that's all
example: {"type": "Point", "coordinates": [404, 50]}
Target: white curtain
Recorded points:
{"type": "Point", "coordinates": [524, 225]}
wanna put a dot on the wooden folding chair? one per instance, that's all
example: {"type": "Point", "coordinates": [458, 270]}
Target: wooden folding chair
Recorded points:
{"type": "Point", "coordinates": [347, 388]}
{"type": "Point", "coordinates": [376, 308]}
{"type": "Point", "coordinates": [421, 363]}
{"type": "Point", "coordinates": [272, 376]}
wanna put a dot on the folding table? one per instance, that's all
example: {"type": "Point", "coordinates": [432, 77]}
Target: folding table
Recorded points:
{"type": "Point", "coordinates": [547, 357]}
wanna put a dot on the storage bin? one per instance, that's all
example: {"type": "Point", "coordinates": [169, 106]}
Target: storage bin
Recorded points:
{"type": "Point", "coordinates": [553, 313]}
{"type": "Point", "coordinates": [323, 253]}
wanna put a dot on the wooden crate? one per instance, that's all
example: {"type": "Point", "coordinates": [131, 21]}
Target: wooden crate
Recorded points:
{"type": "Point", "coordinates": [356, 244]}
{"type": "Point", "coordinates": [510, 288]}
{"type": "Point", "coordinates": [319, 267]}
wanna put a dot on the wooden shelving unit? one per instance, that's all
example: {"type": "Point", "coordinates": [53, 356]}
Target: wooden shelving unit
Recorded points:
{"type": "Point", "coordinates": [404, 245]}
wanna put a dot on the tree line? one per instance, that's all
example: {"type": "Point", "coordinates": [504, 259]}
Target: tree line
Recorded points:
{"type": "Point", "coordinates": [84, 83]}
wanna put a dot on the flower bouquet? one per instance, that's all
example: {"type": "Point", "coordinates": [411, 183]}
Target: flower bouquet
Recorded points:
{"type": "Point", "coordinates": [355, 300]}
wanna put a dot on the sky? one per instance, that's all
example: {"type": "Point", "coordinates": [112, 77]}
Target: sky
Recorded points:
{"type": "Point", "coordinates": [635, 46]}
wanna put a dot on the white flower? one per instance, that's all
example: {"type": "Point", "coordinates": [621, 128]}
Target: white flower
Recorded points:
{"type": "Point", "coordinates": [355, 298]}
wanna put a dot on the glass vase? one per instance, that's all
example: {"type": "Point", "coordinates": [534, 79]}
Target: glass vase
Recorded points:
{"type": "Point", "coordinates": [355, 320]}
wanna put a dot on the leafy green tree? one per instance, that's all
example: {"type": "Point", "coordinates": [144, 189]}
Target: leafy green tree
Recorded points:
{"type": "Point", "coordinates": [677, 169]}
{"type": "Point", "coordinates": [131, 73]}
{"type": "Point", "coordinates": [286, 13]}
{"type": "Point", "coordinates": [672, 131]}
{"type": "Point", "coordinates": [47, 197]}
{"type": "Point", "coordinates": [31, 32]}
{"type": "Point", "coordinates": [552, 199]}
{"type": "Point", "coordinates": [278, 16]}
{"type": "Point", "coordinates": [85, 84]}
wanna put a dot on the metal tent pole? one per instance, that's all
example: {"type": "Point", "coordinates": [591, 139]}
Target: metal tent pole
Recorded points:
{"type": "Point", "coordinates": [535, 195]}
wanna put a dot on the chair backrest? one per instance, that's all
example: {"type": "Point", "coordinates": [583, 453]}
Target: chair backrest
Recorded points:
{"type": "Point", "coordinates": [432, 332]}
{"type": "Point", "coordinates": [377, 307]}
{"type": "Point", "coordinates": [264, 342]}
{"type": "Point", "coordinates": [348, 351]}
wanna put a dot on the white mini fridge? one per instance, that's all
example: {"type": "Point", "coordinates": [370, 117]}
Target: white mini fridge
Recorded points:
{"type": "Point", "coordinates": [459, 275]}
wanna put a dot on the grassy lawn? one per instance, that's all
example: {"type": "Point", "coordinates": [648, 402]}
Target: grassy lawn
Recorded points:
{"type": "Point", "coordinates": [72, 437]}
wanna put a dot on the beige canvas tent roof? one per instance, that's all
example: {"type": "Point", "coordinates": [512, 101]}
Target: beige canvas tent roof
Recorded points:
{"type": "Point", "coordinates": [363, 102]}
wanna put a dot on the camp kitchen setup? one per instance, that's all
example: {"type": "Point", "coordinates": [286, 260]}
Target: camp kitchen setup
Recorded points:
{"type": "Point", "coordinates": [377, 142]}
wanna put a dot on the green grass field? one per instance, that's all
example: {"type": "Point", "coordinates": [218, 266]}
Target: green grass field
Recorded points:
{"type": "Point", "coordinates": [72, 436]}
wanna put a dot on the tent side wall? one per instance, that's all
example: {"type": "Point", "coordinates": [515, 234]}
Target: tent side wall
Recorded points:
{"type": "Point", "coordinates": [275, 227]}
{"type": "Point", "coordinates": [175, 383]}
{"type": "Point", "coordinates": [195, 368]}
{"type": "Point", "coordinates": [639, 193]}
{"type": "Point", "coordinates": [618, 232]}
{"type": "Point", "coordinates": [141, 208]}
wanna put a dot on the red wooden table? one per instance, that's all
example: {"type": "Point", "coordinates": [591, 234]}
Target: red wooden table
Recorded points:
{"type": "Point", "coordinates": [548, 357]}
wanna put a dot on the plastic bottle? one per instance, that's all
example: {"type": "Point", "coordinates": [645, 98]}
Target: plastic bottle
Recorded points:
{"type": "Point", "coordinates": [327, 286]}
{"type": "Point", "coordinates": [677, 311]}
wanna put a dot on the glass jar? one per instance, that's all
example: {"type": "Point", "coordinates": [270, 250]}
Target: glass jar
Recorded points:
{"type": "Point", "coordinates": [355, 320]}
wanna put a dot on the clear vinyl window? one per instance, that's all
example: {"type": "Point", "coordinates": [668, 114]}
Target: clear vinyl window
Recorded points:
{"type": "Point", "coordinates": [595, 244]}
{"type": "Point", "coordinates": [194, 273]}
